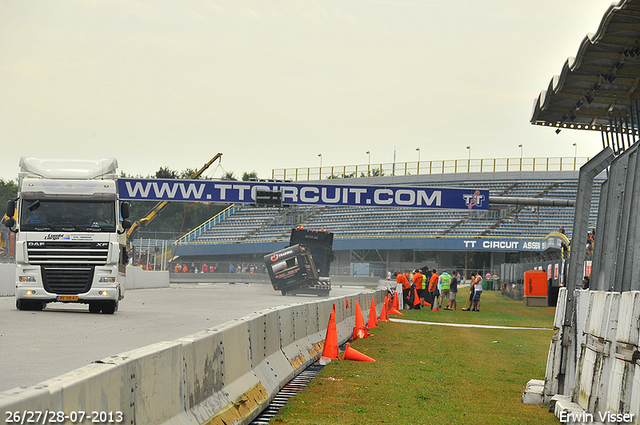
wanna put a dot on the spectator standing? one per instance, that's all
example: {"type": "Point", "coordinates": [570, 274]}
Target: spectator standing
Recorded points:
{"type": "Point", "coordinates": [471, 292]}
{"type": "Point", "coordinates": [453, 291]}
{"type": "Point", "coordinates": [205, 268]}
{"type": "Point", "coordinates": [477, 291]}
{"type": "Point", "coordinates": [585, 282]}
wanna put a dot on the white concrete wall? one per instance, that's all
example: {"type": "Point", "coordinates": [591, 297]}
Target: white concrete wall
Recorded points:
{"type": "Point", "coordinates": [136, 279]}
{"type": "Point", "coordinates": [226, 374]}
{"type": "Point", "coordinates": [604, 374]}
{"type": "Point", "coordinates": [141, 279]}
{"type": "Point", "coordinates": [7, 279]}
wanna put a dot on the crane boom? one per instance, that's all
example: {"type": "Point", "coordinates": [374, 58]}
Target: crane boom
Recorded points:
{"type": "Point", "coordinates": [144, 221]}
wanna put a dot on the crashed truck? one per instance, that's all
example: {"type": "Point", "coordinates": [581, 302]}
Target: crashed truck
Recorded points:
{"type": "Point", "coordinates": [302, 267]}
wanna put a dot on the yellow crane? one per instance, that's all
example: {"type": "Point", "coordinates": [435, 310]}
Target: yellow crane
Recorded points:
{"type": "Point", "coordinates": [144, 221]}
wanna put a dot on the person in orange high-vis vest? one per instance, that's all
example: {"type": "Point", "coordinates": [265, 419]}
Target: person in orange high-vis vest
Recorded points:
{"type": "Point", "coordinates": [406, 287]}
{"type": "Point", "coordinates": [177, 268]}
{"type": "Point", "coordinates": [433, 287]}
{"type": "Point", "coordinates": [417, 281]}
{"type": "Point", "coordinates": [185, 269]}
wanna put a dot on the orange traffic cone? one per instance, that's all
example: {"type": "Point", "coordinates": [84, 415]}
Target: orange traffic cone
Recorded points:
{"type": "Point", "coordinates": [435, 304]}
{"type": "Point", "coordinates": [384, 316]}
{"type": "Point", "coordinates": [417, 301]}
{"type": "Point", "coordinates": [330, 349]}
{"type": "Point", "coordinates": [351, 354]}
{"type": "Point", "coordinates": [373, 316]}
{"type": "Point", "coordinates": [359, 330]}
{"type": "Point", "coordinates": [395, 305]}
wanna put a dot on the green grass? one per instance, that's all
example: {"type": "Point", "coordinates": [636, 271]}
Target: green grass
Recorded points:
{"type": "Point", "coordinates": [431, 374]}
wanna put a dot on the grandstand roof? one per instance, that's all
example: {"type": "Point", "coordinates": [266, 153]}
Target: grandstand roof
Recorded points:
{"type": "Point", "coordinates": [598, 89]}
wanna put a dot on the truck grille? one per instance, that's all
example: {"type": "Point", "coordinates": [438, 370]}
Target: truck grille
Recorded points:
{"type": "Point", "coordinates": [67, 280]}
{"type": "Point", "coordinates": [77, 253]}
{"type": "Point", "coordinates": [67, 267]}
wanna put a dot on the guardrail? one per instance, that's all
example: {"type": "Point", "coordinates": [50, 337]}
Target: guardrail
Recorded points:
{"type": "Point", "coordinates": [490, 165]}
{"type": "Point", "coordinates": [226, 374]}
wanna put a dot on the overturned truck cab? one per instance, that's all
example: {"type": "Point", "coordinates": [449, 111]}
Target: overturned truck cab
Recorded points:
{"type": "Point", "coordinates": [292, 271]}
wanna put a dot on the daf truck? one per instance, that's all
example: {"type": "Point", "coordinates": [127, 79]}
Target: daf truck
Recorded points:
{"type": "Point", "coordinates": [69, 234]}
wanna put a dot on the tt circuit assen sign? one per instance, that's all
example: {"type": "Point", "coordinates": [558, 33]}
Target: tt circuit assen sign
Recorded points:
{"type": "Point", "coordinates": [222, 191]}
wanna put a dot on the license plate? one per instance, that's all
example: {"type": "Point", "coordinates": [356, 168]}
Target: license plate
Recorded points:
{"type": "Point", "coordinates": [67, 298]}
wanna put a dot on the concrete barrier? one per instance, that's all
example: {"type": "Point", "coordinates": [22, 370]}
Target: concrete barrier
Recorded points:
{"type": "Point", "coordinates": [136, 279]}
{"type": "Point", "coordinates": [143, 279]}
{"type": "Point", "coordinates": [222, 375]}
{"type": "Point", "coordinates": [261, 278]}
{"type": "Point", "coordinates": [7, 279]}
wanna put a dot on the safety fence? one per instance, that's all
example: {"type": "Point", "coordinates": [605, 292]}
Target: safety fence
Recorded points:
{"type": "Point", "coordinates": [226, 374]}
{"type": "Point", "coordinates": [487, 165]}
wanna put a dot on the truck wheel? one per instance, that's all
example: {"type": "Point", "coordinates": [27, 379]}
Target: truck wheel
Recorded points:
{"type": "Point", "coordinates": [283, 292]}
{"type": "Point", "coordinates": [110, 307]}
{"type": "Point", "coordinates": [94, 307]}
{"type": "Point", "coordinates": [21, 305]}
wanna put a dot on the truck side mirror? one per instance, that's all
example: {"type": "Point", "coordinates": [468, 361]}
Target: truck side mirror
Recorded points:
{"type": "Point", "coordinates": [11, 207]}
{"type": "Point", "coordinates": [11, 210]}
{"type": "Point", "coordinates": [126, 224]}
{"type": "Point", "coordinates": [124, 211]}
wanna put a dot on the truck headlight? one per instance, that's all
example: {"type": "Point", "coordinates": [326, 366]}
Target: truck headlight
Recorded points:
{"type": "Point", "coordinates": [27, 279]}
{"type": "Point", "coordinates": [107, 280]}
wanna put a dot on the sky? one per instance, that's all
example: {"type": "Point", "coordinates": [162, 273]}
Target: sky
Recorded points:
{"type": "Point", "coordinates": [275, 84]}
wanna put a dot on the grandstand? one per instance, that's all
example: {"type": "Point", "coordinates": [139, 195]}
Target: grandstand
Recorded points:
{"type": "Point", "coordinates": [247, 231]}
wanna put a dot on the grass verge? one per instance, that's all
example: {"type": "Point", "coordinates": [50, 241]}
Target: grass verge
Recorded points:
{"type": "Point", "coordinates": [431, 374]}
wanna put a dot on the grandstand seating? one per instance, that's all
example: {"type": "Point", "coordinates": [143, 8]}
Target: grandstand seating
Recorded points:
{"type": "Point", "coordinates": [259, 224]}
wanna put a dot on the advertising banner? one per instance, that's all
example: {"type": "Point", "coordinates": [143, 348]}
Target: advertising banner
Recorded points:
{"type": "Point", "coordinates": [224, 191]}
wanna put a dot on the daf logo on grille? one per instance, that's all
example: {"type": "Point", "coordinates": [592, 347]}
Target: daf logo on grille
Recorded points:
{"type": "Point", "coordinates": [35, 244]}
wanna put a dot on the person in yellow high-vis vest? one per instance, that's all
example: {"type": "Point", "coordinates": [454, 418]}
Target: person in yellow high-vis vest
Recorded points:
{"type": "Point", "coordinates": [444, 282]}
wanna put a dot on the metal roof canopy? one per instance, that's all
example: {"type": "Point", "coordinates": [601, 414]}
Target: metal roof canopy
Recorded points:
{"type": "Point", "coordinates": [598, 89]}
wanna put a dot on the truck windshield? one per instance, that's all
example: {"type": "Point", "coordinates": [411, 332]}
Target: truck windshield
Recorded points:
{"type": "Point", "coordinates": [68, 216]}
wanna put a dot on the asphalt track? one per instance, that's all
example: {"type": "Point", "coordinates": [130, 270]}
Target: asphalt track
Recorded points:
{"type": "Point", "coordinates": [36, 346]}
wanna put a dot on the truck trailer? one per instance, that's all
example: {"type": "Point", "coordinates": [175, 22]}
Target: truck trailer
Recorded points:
{"type": "Point", "coordinates": [69, 230]}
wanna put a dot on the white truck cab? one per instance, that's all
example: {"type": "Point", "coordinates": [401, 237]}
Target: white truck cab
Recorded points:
{"type": "Point", "coordinates": [69, 226]}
